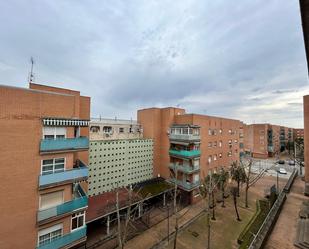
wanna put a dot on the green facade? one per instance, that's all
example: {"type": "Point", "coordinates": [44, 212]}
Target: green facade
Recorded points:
{"type": "Point", "coordinates": [118, 163]}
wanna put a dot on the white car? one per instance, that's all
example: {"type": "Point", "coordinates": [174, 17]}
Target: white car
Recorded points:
{"type": "Point", "coordinates": [282, 171]}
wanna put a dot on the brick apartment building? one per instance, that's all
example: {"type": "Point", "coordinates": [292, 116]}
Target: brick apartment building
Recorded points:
{"type": "Point", "coordinates": [44, 150]}
{"type": "Point", "coordinates": [306, 142]}
{"type": "Point", "coordinates": [298, 133]}
{"type": "Point", "coordinates": [266, 140]}
{"type": "Point", "coordinates": [196, 143]}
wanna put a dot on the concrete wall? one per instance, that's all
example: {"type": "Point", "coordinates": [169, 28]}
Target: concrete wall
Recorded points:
{"type": "Point", "coordinates": [119, 163]}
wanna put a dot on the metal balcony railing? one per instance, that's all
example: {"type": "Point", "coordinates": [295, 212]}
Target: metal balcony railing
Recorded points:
{"type": "Point", "coordinates": [67, 207]}
{"type": "Point", "coordinates": [64, 144]}
{"type": "Point", "coordinates": [186, 185]}
{"type": "Point", "coordinates": [185, 137]}
{"type": "Point", "coordinates": [66, 239]}
{"type": "Point", "coordinates": [185, 153]}
{"type": "Point", "coordinates": [185, 168]}
{"type": "Point", "coordinates": [71, 175]}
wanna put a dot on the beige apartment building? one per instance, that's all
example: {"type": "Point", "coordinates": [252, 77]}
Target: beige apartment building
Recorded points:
{"type": "Point", "coordinates": [196, 143]}
{"type": "Point", "coordinates": [119, 156]}
{"type": "Point", "coordinates": [44, 150]}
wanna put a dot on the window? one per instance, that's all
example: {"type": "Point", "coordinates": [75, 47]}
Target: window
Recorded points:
{"type": "Point", "coordinates": [220, 131]}
{"type": "Point", "coordinates": [215, 157]}
{"type": "Point", "coordinates": [209, 132]}
{"type": "Point", "coordinates": [78, 220]}
{"type": "Point", "coordinates": [220, 155]}
{"type": "Point", "coordinates": [121, 130]}
{"type": "Point", "coordinates": [210, 144]}
{"type": "Point", "coordinates": [51, 199]}
{"type": "Point", "coordinates": [54, 165]}
{"type": "Point", "coordinates": [95, 129]}
{"type": "Point", "coordinates": [209, 159]}
{"type": "Point", "coordinates": [50, 234]}
{"type": "Point", "coordinates": [215, 144]}
{"type": "Point", "coordinates": [220, 144]}
{"type": "Point", "coordinates": [54, 132]}
{"type": "Point", "coordinates": [107, 129]}
{"type": "Point", "coordinates": [230, 131]}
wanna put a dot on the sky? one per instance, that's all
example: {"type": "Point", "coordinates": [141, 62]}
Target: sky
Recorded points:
{"type": "Point", "coordinates": [244, 61]}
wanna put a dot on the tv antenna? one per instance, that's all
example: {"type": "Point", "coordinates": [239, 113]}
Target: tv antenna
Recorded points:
{"type": "Point", "coordinates": [31, 75]}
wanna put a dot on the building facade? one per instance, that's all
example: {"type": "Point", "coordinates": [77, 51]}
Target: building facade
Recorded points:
{"type": "Point", "coordinates": [298, 133]}
{"type": "Point", "coordinates": [267, 140]}
{"type": "Point", "coordinates": [306, 142]}
{"type": "Point", "coordinates": [214, 143]}
{"type": "Point", "coordinates": [118, 155]}
{"type": "Point", "coordinates": [113, 129]}
{"type": "Point", "coordinates": [44, 144]}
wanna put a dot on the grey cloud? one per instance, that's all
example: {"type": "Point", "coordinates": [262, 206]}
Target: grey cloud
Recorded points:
{"type": "Point", "coordinates": [136, 54]}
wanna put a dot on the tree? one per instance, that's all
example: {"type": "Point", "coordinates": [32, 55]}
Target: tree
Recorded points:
{"type": "Point", "coordinates": [131, 199]}
{"type": "Point", "coordinates": [234, 191]}
{"type": "Point", "coordinates": [238, 175]}
{"type": "Point", "coordinates": [212, 181]}
{"type": "Point", "coordinates": [250, 179]}
{"type": "Point", "coordinates": [223, 176]}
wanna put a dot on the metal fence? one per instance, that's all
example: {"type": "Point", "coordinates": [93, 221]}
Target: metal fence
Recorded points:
{"type": "Point", "coordinates": [261, 236]}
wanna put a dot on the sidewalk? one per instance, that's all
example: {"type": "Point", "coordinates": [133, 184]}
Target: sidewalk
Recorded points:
{"type": "Point", "coordinates": [158, 232]}
{"type": "Point", "coordinates": [283, 234]}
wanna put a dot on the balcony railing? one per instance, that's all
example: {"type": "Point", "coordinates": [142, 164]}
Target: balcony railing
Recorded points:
{"type": "Point", "coordinates": [72, 175]}
{"type": "Point", "coordinates": [185, 153]}
{"type": "Point", "coordinates": [185, 185]}
{"type": "Point", "coordinates": [270, 149]}
{"type": "Point", "coordinates": [64, 144]}
{"type": "Point", "coordinates": [184, 168]}
{"type": "Point", "coordinates": [66, 239]}
{"type": "Point", "coordinates": [185, 137]}
{"type": "Point", "coordinates": [64, 208]}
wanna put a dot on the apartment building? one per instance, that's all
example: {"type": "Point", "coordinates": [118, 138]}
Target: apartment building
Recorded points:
{"type": "Point", "coordinates": [298, 133]}
{"type": "Point", "coordinates": [118, 155]}
{"type": "Point", "coordinates": [266, 140]}
{"type": "Point", "coordinates": [44, 149]}
{"type": "Point", "coordinates": [306, 142]}
{"type": "Point", "coordinates": [113, 129]}
{"type": "Point", "coordinates": [191, 144]}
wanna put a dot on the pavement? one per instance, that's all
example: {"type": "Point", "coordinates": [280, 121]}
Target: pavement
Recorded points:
{"type": "Point", "coordinates": [284, 232]}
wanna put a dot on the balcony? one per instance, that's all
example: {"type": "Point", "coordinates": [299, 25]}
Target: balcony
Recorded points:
{"type": "Point", "coordinates": [270, 149]}
{"type": "Point", "coordinates": [81, 201]}
{"type": "Point", "coordinates": [185, 137]}
{"type": "Point", "coordinates": [73, 175]}
{"type": "Point", "coordinates": [185, 153]}
{"type": "Point", "coordinates": [188, 186]}
{"type": "Point", "coordinates": [184, 168]}
{"type": "Point", "coordinates": [66, 239]}
{"type": "Point", "coordinates": [64, 144]}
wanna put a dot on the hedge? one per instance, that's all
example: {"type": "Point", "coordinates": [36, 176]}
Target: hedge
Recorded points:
{"type": "Point", "coordinates": [247, 235]}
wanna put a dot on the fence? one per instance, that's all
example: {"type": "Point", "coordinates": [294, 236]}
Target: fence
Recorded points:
{"type": "Point", "coordinates": [270, 220]}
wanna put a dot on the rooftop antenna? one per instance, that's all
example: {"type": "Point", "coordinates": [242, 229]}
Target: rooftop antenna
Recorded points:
{"type": "Point", "coordinates": [31, 75]}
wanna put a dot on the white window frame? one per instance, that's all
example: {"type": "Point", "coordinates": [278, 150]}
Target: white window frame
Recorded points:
{"type": "Point", "coordinates": [40, 199]}
{"type": "Point", "coordinates": [54, 159]}
{"type": "Point", "coordinates": [55, 131]}
{"type": "Point", "coordinates": [48, 231]}
{"type": "Point", "coordinates": [78, 214]}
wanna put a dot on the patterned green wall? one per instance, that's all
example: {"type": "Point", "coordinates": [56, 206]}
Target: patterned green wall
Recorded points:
{"type": "Point", "coordinates": [119, 163]}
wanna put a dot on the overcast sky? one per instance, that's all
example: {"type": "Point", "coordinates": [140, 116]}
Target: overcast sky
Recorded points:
{"type": "Point", "coordinates": [243, 60]}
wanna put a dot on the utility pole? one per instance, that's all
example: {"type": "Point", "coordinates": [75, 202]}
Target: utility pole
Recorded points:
{"type": "Point", "coordinates": [31, 76]}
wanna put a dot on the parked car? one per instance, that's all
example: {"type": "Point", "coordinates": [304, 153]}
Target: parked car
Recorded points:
{"type": "Point", "coordinates": [282, 171]}
{"type": "Point", "coordinates": [291, 162]}
{"type": "Point", "coordinates": [281, 162]}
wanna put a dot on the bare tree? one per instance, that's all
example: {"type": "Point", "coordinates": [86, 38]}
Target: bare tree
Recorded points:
{"type": "Point", "coordinates": [250, 179]}
{"type": "Point", "coordinates": [133, 198]}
